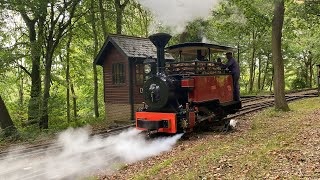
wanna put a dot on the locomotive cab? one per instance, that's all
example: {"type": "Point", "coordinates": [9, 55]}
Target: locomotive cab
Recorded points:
{"type": "Point", "coordinates": [182, 94]}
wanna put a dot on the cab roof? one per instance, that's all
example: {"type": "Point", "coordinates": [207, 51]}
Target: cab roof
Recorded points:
{"type": "Point", "coordinates": [192, 47]}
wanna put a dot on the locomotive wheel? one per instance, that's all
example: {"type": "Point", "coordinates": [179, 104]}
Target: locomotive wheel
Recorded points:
{"type": "Point", "coordinates": [223, 125]}
{"type": "Point", "coordinates": [184, 125]}
{"type": "Point", "coordinates": [226, 127]}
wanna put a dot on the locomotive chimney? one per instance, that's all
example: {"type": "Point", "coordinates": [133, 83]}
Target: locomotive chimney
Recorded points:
{"type": "Point", "coordinates": [160, 40]}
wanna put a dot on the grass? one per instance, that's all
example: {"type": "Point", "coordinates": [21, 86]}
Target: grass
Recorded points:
{"type": "Point", "coordinates": [250, 155]}
{"type": "Point", "coordinates": [154, 170]}
{"type": "Point", "coordinates": [119, 166]}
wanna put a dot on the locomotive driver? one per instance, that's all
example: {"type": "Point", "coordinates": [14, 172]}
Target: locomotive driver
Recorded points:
{"type": "Point", "coordinates": [233, 66]}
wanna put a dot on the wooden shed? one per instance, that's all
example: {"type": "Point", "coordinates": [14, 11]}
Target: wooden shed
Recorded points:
{"type": "Point", "coordinates": [123, 74]}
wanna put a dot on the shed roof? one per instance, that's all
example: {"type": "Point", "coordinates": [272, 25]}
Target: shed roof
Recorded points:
{"type": "Point", "coordinates": [132, 47]}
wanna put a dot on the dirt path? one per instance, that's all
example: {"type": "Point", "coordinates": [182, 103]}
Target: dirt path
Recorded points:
{"type": "Point", "coordinates": [265, 145]}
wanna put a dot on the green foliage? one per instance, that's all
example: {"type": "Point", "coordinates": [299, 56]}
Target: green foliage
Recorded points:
{"type": "Point", "coordinates": [298, 84]}
{"type": "Point", "coordinates": [243, 24]}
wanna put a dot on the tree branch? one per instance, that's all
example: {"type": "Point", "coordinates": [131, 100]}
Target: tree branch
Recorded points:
{"type": "Point", "coordinates": [24, 69]}
{"type": "Point", "coordinates": [63, 27]}
{"type": "Point", "coordinates": [124, 4]}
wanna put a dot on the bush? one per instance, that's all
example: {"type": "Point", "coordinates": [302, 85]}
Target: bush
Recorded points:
{"type": "Point", "coordinates": [298, 84]}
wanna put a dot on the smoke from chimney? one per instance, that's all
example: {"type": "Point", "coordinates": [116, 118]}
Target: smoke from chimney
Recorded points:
{"type": "Point", "coordinates": [177, 13]}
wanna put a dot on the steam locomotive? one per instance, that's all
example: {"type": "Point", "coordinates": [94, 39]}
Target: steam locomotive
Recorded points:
{"type": "Point", "coordinates": [191, 90]}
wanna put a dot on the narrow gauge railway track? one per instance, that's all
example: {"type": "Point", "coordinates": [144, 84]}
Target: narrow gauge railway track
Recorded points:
{"type": "Point", "coordinates": [250, 98]}
{"type": "Point", "coordinates": [246, 109]}
{"type": "Point", "coordinates": [270, 99]}
{"type": "Point", "coordinates": [312, 90]}
{"type": "Point", "coordinates": [253, 98]}
{"type": "Point", "coordinates": [42, 149]}
{"type": "Point", "coordinates": [51, 146]}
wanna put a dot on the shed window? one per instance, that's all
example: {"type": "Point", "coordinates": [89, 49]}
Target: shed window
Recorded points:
{"type": "Point", "coordinates": [118, 73]}
{"type": "Point", "coordinates": [139, 74]}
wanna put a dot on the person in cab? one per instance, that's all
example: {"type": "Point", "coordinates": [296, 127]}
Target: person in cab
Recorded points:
{"type": "Point", "coordinates": [234, 68]}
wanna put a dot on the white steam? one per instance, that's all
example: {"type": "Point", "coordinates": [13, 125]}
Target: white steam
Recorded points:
{"type": "Point", "coordinates": [177, 13]}
{"type": "Point", "coordinates": [81, 155]}
{"type": "Point", "coordinates": [233, 123]}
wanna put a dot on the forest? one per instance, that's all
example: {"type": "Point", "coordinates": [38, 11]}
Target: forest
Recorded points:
{"type": "Point", "coordinates": [48, 81]}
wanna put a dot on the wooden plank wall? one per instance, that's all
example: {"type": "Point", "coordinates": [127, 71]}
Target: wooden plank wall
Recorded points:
{"type": "Point", "coordinates": [118, 94]}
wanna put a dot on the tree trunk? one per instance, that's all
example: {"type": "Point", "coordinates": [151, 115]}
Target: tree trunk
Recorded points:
{"type": "Point", "coordinates": [35, 50]}
{"type": "Point", "coordinates": [95, 51]}
{"type": "Point", "coordinates": [21, 95]}
{"type": "Point", "coordinates": [306, 70]}
{"type": "Point", "coordinates": [102, 18]}
{"type": "Point", "coordinates": [265, 72]}
{"type": "Point", "coordinates": [252, 67]}
{"type": "Point", "coordinates": [21, 92]}
{"type": "Point", "coordinates": [310, 69]}
{"type": "Point", "coordinates": [311, 74]}
{"type": "Point", "coordinates": [95, 98]}
{"type": "Point", "coordinates": [74, 99]}
{"type": "Point", "coordinates": [119, 21]}
{"type": "Point", "coordinates": [56, 30]}
{"type": "Point", "coordinates": [259, 73]}
{"type": "Point", "coordinates": [46, 93]}
{"type": "Point", "coordinates": [68, 77]}
{"type": "Point", "coordinates": [271, 82]}
{"type": "Point", "coordinates": [68, 90]}
{"type": "Point", "coordinates": [95, 37]}
{"type": "Point", "coordinates": [5, 119]}
{"type": "Point", "coordinates": [279, 82]}
{"type": "Point", "coordinates": [119, 12]}
{"type": "Point", "coordinates": [238, 52]}
{"type": "Point", "coordinates": [254, 74]}
{"type": "Point", "coordinates": [43, 124]}
{"type": "Point", "coordinates": [34, 102]}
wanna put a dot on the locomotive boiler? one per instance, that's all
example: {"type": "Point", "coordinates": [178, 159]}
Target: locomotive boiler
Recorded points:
{"type": "Point", "coordinates": [191, 90]}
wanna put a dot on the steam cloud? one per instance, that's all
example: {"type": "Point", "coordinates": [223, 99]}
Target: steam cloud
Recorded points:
{"type": "Point", "coordinates": [82, 154]}
{"type": "Point", "coordinates": [177, 13]}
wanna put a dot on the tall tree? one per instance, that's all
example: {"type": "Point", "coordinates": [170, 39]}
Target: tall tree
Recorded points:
{"type": "Point", "coordinates": [119, 11]}
{"type": "Point", "coordinates": [103, 20]}
{"type": "Point", "coordinates": [279, 83]}
{"type": "Point", "coordinates": [68, 75]}
{"type": "Point", "coordinates": [5, 119]}
{"type": "Point", "coordinates": [95, 52]}
{"type": "Point", "coordinates": [259, 72]}
{"type": "Point", "coordinates": [253, 61]}
{"type": "Point", "coordinates": [136, 20]}
{"type": "Point", "coordinates": [34, 15]}
{"type": "Point", "coordinates": [265, 72]}
{"type": "Point", "coordinates": [57, 27]}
